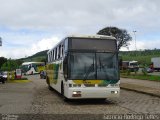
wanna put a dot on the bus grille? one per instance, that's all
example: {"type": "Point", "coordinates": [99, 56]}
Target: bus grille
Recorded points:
{"type": "Point", "coordinates": [89, 85]}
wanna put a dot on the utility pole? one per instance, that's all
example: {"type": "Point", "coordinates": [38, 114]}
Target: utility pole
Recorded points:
{"type": "Point", "coordinates": [135, 39]}
{"type": "Point", "coordinates": [0, 41]}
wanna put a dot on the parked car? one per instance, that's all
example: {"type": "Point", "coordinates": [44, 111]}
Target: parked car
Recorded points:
{"type": "Point", "coordinates": [4, 74]}
{"type": "Point", "coordinates": [149, 70]}
{"type": "Point", "coordinates": [2, 79]}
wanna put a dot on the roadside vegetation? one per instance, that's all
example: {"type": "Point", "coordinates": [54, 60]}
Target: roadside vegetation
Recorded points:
{"type": "Point", "coordinates": [12, 64]}
{"type": "Point", "coordinates": [142, 56]}
{"type": "Point", "coordinates": [144, 60]}
{"type": "Point", "coordinates": [142, 75]}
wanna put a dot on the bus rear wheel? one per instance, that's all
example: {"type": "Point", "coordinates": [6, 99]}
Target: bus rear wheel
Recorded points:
{"type": "Point", "coordinates": [47, 81]}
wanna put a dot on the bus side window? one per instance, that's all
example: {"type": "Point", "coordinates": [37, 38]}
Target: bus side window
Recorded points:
{"type": "Point", "coordinates": [56, 54]}
{"type": "Point", "coordinates": [59, 52]}
{"type": "Point", "coordinates": [48, 57]}
{"type": "Point", "coordinates": [53, 55]}
{"type": "Point", "coordinates": [62, 51]}
{"type": "Point", "coordinates": [65, 67]}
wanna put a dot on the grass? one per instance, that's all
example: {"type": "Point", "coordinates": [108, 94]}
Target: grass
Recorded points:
{"type": "Point", "coordinates": [143, 57]}
{"type": "Point", "coordinates": [141, 77]}
{"type": "Point", "coordinates": [23, 78]}
{"type": "Point", "coordinates": [19, 80]}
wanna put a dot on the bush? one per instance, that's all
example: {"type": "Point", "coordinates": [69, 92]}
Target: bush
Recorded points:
{"type": "Point", "coordinates": [128, 71]}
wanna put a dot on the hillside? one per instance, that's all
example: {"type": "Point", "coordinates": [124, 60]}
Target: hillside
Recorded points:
{"type": "Point", "coordinates": [38, 57]}
{"type": "Point", "coordinates": [143, 57]}
{"type": "Point", "coordinates": [10, 64]}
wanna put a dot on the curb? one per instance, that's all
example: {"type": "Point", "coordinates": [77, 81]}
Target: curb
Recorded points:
{"type": "Point", "coordinates": [139, 90]}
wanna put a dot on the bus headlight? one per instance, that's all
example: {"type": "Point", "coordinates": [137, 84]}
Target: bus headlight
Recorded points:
{"type": "Point", "coordinates": [114, 92]}
{"type": "Point", "coordinates": [76, 94]}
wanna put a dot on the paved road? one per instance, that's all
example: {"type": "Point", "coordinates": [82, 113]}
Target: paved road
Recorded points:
{"type": "Point", "coordinates": [34, 98]}
{"type": "Point", "coordinates": [146, 83]}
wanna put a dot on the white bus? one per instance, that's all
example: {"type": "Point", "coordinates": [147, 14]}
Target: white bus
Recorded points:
{"type": "Point", "coordinates": [84, 67]}
{"type": "Point", "coordinates": [30, 68]}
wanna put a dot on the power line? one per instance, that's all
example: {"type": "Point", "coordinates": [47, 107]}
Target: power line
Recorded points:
{"type": "Point", "coordinates": [0, 41]}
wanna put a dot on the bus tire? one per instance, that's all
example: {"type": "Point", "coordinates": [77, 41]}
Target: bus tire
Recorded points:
{"type": "Point", "coordinates": [47, 81]}
{"type": "Point", "coordinates": [50, 88]}
{"type": "Point", "coordinates": [62, 92]}
{"type": "Point", "coordinates": [62, 89]}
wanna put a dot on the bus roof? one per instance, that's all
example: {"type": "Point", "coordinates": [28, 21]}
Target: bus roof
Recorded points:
{"type": "Point", "coordinates": [85, 36]}
{"type": "Point", "coordinates": [27, 63]}
{"type": "Point", "coordinates": [133, 61]}
{"type": "Point", "coordinates": [91, 36]}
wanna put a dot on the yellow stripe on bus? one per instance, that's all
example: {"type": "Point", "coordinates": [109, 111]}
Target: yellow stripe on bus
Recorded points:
{"type": "Point", "coordinates": [87, 81]}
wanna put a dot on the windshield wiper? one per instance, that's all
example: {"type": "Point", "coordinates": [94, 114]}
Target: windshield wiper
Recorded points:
{"type": "Point", "coordinates": [90, 69]}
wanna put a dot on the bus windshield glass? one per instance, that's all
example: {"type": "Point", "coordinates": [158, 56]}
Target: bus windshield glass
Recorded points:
{"type": "Point", "coordinates": [134, 64]}
{"type": "Point", "coordinates": [99, 66]}
{"type": "Point", "coordinates": [25, 68]}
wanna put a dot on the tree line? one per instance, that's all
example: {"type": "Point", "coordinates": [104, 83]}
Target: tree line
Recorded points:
{"type": "Point", "coordinates": [9, 64]}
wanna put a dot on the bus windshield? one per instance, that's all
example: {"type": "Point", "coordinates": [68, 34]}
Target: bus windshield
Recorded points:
{"type": "Point", "coordinates": [99, 66]}
{"type": "Point", "coordinates": [25, 68]}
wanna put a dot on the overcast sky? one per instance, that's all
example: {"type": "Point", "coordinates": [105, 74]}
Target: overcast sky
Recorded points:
{"type": "Point", "coordinates": [29, 26]}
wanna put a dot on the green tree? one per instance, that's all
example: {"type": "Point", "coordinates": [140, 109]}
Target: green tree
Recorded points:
{"type": "Point", "coordinates": [9, 65]}
{"type": "Point", "coordinates": [121, 35]}
{"type": "Point", "coordinates": [2, 61]}
{"type": "Point", "coordinates": [19, 62]}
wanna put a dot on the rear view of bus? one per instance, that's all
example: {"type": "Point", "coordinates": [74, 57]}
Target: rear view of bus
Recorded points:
{"type": "Point", "coordinates": [89, 68]}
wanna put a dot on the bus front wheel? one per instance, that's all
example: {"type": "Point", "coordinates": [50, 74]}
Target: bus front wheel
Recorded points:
{"type": "Point", "coordinates": [50, 88]}
{"type": "Point", "coordinates": [62, 89]}
{"type": "Point", "coordinates": [62, 92]}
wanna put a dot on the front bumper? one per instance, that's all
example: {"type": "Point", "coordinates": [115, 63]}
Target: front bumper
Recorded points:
{"type": "Point", "coordinates": [92, 92]}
